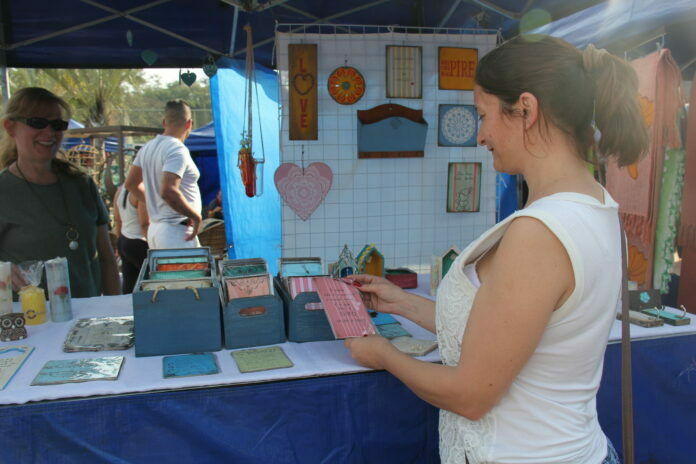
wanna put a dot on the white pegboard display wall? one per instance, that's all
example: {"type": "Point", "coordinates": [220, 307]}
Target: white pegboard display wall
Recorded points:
{"type": "Point", "coordinates": [397, 204]}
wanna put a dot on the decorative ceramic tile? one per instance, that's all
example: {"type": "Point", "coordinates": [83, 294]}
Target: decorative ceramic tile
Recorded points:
{"type": "Point", "coordinates": [457, 126]}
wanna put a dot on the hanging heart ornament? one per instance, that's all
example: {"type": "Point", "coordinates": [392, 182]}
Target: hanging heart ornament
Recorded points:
{"type": "Point", "coordinates": [188, 78]}
{"type": "Point", "coordinates": [210, 69]}
{"type": "Point", "coordinates": [149, 57]}
{"type": "Point", "coordinates": [304, 191]}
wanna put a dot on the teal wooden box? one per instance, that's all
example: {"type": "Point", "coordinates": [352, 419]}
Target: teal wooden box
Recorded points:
{"type": "Point", "coordinates": [176, 321]}
{"type": "Point", "coordinates": [304, 325]}
{"type": "Point", "coordinates": [242, 331]}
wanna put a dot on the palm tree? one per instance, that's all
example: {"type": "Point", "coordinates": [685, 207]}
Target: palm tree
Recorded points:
{"type": "Point", "coordinates": [94, 94]}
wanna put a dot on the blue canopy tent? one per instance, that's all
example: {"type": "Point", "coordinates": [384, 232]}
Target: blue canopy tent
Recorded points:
{"type": "Point", "coordinates": [634, 28]}
{"type": "Point", "coordinates": [110, 144]}
{"type": "Point", "coordinates": [181, 33]}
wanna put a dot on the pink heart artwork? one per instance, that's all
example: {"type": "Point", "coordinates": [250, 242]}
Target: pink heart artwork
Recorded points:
{"type": "Point", "coordinates": [303, 191]}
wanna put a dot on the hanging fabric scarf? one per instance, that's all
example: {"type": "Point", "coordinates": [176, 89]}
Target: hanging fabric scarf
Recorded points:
{"type": "Point", "coordinates": [637, 188]}
{"type": "Point", "coordinates": [687, 229]}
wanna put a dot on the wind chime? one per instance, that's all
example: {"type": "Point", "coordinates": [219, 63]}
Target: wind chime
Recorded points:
{"type": "Point", "coordinates": [253, 184]}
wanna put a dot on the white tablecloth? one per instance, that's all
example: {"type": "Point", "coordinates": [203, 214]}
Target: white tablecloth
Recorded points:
{"type": "Point", "coordinates": [145, 374]}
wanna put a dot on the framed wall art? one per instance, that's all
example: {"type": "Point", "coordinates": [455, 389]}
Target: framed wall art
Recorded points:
{"type": "Point", "coordinates": [404, 72]}
{"type": "Point", "coordinates": [457, 126]}
{"type": "Point", "coordinates": [463, 187]}
{"type": "Point", "coordinates": [457, 67]}
{"type": "Point", "coordinates": [303, 91]}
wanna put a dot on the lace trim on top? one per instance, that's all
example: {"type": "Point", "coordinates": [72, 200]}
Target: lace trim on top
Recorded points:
{"type": "Point", "coordinates": [461, 438]}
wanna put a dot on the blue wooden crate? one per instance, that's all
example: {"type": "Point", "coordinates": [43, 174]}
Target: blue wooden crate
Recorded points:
{"type": "Point", "coordinates": [176, 321]}
{"type": "Point", "coordinates": [304, 325]}
{"type": "Point", "coordinates": [263, 328]}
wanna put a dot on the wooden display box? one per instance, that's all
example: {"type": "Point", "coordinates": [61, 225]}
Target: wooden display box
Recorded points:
{"type": "Point", "coordinates": [302, 324]}
{"type": "Point", "coordinates": [254, 321]}
{"type": "Point", "coordinates": [402, 277]}
{"type": "Point", "coordinates": [176, 321]}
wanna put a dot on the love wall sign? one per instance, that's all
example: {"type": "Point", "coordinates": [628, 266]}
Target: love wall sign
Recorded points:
{"type": "Point", "coordinates": [303, 91]}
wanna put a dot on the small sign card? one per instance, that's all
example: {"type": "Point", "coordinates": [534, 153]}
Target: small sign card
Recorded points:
{"type": "Point", "coordinates": [100, 334]}
{"type": "Point", "coordinates": [188, 365]}
{"type": "Point", "coordinates": [392, 331]}
{"type": "Point", "coordinates": [11, 359]}
{"type": "Point", "coordinates": [414, 346]}
{"type": "Point", "coordinates": [261, 359]}
{"type": "Point", "coordinates": [79, 370]}
{"type": "Point", "coordinates": [382, 318]}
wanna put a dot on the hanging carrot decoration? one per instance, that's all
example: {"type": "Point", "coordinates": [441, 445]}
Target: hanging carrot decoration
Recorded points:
{"type": "Point", "coordinates": [246, 161]}
{"type": "Point", "coordinates": [247, 166]}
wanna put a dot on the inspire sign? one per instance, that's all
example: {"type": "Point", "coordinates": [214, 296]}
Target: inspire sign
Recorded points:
{"type": "Point", "coordinates": [457, 68]}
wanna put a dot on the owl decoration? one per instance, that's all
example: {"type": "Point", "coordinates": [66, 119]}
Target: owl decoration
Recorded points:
{"type": "Point", "coordinates": [12, 327]}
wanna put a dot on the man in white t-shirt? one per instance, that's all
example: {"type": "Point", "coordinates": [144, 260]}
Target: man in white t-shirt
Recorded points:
{"type": "Point", "coordinates": [166, 178]}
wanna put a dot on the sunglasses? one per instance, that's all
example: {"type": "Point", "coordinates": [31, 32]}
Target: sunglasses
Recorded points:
{"type": "Point", "coordinates": [42, 123]}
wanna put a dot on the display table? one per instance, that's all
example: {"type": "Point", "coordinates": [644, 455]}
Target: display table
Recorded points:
{"type": "Point", "coordinates": [324, 409]}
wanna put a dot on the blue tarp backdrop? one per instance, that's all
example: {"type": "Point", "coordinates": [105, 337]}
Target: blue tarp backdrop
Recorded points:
{"type": "Point", "coordinates": [252, 225]}
{"type": "Point", "coordinates": [201, 144]}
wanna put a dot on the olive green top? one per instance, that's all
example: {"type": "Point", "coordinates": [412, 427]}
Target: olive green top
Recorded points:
{"type": "Point", "coordinates": [33, 229]}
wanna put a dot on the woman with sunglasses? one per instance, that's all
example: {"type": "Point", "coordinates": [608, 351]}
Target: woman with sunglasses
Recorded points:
{"type": "Point", "coordinates": [49, 207]}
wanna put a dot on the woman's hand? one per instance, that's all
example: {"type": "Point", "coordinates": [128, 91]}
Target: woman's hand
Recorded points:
{"type": "Point", "coordinates": [380, 294]}
{"type": "Point", "coordinates": [368, 351]}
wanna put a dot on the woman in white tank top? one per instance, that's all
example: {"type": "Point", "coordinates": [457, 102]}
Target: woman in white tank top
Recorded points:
{"type": "Point", "coordinates": [523, 316]}
{"type": "Point", "coordinates": [130, 216]}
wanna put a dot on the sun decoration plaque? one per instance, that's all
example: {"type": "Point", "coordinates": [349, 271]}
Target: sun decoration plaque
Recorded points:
{"type": "Point", "coordinates": [346, 85]}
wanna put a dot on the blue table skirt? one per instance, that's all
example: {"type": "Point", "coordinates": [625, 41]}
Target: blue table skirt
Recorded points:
{"type": "Point", "coordinates": [358, 418]}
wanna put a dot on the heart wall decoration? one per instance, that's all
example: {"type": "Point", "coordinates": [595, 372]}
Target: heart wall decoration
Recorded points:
{"type": "Point", "coordinates": [304, 191]}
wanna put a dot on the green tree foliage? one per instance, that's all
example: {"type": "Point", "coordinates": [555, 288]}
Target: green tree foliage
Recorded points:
{"type": "Point", "coordinates": [102, 97]}
{"type": "Point", "coordinates": [95, 95]}
{"type": "Point", "coordinates": [146, 107]}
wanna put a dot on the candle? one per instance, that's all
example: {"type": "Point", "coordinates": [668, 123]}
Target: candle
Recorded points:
{"type": "Point", "coordinates": [59, 289]}
{"type": "Point", "coordinates": [33, 304]}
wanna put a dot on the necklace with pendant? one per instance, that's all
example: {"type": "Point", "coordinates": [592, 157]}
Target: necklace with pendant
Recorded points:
{"type": "Point", "coordinates": [71, 234]}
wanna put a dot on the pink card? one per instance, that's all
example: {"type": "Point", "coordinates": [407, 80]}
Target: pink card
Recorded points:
{"type": "Point", "coordinates": [344, 308]}
{"type": "Point", "coordinates": [304, 284]}
{"type": "Point", "coordinates": [245, 287]}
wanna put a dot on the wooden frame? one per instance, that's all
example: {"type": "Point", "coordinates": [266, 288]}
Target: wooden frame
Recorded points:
{"type": "Point", "coordinates": [302, 91]}
{"type": "Point", "coordinates": [463, 187]}
{"type": "Point", "coordinates": [456, 68]}
{"type": "Point", "coordinates": [404, 71]}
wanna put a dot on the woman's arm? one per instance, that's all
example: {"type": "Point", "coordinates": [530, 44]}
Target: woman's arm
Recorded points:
{"type": "Point", "coordinates": [111, 284]}
{"type": "Point", "coordinates": [530, 275]}
{"type": "Point", "coordinates": [117, 215]}
{"type": "Point", "coordinates": [143, 218]}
